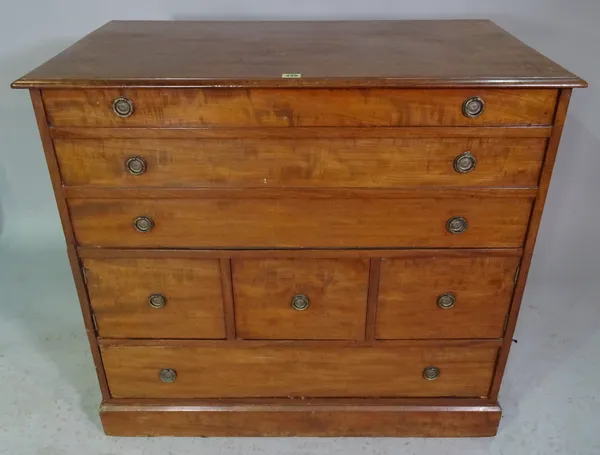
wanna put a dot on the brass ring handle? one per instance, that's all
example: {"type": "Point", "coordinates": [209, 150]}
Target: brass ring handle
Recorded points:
{"type": "Point", "coordinates": [431, 373]}
{"type": "Point", "coordinates": [157, 300]}
{"type": "Point", "coordinates": [143, 224]}
{"type": "Point", "coordinates": [456, 225]}
{"type": "Point", "coordinates": [464, 163]}
{"type": "Point", "coordinates": [473, 107]}
{"type": "Point", "coordinates": [300, 302]}
{"type": "Point", "coordinates": [136, 165]}
{"type": "Point", "coordinates": [446, 301]}
{"type": "Point", "coordinates": [122, 106]}
{"type": "Point", "coordinates": [168, 375]}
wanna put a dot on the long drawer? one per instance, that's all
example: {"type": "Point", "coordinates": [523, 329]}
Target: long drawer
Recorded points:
{"type": "Point", "coordinates": [299, 107]}
{"type": "Point", "coordinates": [296, 222]}
{"type": "Point", "coordinates": [312, 162]}
{"type": "Point", "coordinates": [256, 369]}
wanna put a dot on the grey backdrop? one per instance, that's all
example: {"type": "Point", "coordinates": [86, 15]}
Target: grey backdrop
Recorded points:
{"type": "Point", "coordinates": [49, 392]}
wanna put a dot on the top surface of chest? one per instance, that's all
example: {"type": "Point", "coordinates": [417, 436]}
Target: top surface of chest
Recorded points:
{"type": "Point", "coordinates": [449, 53]}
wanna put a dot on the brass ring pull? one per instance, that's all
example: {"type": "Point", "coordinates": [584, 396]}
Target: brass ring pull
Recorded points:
{"type": "Point", "coordinates": [456, 225]}
{"type": "Point", "coordinates": [136, 165]}
{"type": "Point", "coordinates": [122, 106]}
{"type": "Point", "coordinates": [168, 375]}
{"type": "Point", "coordinates": [143, 224]}
{"type": "Point", "coordinates": [431, 373]}
{"type": "Point", "coordinates": [157, 300]}
{"type": "Point", "coordinates": [464, 163]}
{"type": "Point", "coordinates": [473, 107]}
{"type": "Point", "coordinates": [446, 301]}
{"type": "Point", "coordinates": [300, 302]}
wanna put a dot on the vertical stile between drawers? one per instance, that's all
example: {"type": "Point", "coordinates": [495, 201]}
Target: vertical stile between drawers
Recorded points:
{"type": "Point", "coordinates": [227, 286]}
{"type": "Point", "coordinates": [374, 271]}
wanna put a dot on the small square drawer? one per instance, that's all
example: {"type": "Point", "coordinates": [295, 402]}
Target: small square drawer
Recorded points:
{"type": "Point", "coordinates": [300, 298]}
{"type": "Point", "coordinates": [156, 298]}
{"type": "Point", "coordinates": [445, 295]}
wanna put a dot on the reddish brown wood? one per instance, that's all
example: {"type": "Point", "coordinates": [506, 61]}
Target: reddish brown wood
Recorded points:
{"type": "Point", "coordinates": [374, 274]}
{"type": "Point", "coordinates": [453, 53]}
{"type": "Point", "coordinates": [298, 418]}
{"type": "Point", "coordinates": [458, 343]}
{"type": "Point", "coordinates": [302, 133]}
{"type": "Point", "coordinates": [297, 223]}
{"type": "Point", "coordinates": [288, 370]}
{"type": "Point", "coordinates": [314, 162]}
{"type": "Point", "coordinates": [227, 287]}
{"type": "Point", "coordinates": [63, 212]}
{"type": "Point", "coordinates": [120, 289]}
{"type": "Point", "coordinates": [51, 161]}
{"type": "Point", "coordinates": [301, 182]}
{"type": "Point", "coordinates": [534, 224]}
{"type": "Point", "coordinates": [409, 290]}
{"type": "Point", "coordinates": [304, 253]}
{"type": "Point", "coordinates": [336, 290]}
{"type": "Point", "coordinates": [307, 107]}
{"type": "Point", "coordinates": [408, 192]}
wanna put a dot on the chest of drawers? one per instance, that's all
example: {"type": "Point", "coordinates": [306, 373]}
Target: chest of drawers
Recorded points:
{"type": "Point", "coordinates": [296, 228]}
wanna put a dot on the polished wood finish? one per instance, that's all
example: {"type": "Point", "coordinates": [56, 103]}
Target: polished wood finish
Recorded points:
{"type": "Point", "coordinates": [297, 371]}
{"type": "Point", "coordinates": [298, 108]}
{"type": "Point", "coordinates": [303, 133]}
{"type": "Point", "coordinates": [375, 162]}
{"type": "Point", "coordinates": [304, 158]}
{"type": "Point", "coordinates": [534, 224]}
{"type": "Point", "coordinates": [324, 223]}
{"type": "Point", "coordinates": [271, 417]}
{"type": "Point", "coordinates": [303, 253]}
{"type": "Point", "coordinates": [432, 53]}
{"type": "Point", "coordinates": [409, 290]}
{"type": "Point", "coordinates": [336, 290]}
{"type": "Point", "coordinates": [63, 211]}
{"type": "Point", "coordinates": [119, 291]}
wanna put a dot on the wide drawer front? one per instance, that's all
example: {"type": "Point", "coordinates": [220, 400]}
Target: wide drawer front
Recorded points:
{"type": "Point", "coordinates": [300, 298]}
{"type": "Point", "coordinates": [361, 162]}
{"type": "Point", "coordinates": [298, 107]}
{"type": "Point", "coordinates": [284, 370]}
{"type": "Point", "coordinates": [156, 298]}
{"type": "Point", "coordinates": [296, 222]}
{"type": "Point", "coordinates": [441, 296]}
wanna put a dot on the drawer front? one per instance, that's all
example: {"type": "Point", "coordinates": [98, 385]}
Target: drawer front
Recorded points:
{"type": "Point", "coordinates": [444, 297]}
{"type": "Point", "coordinates": [263, 370]}
{"type": "Point", "coordinates": [300, 298]}
{"type": "Point", "coordinates": [367, 162]}
{"type": "Point", "coordinates": [295, 222]}
{"type": "Point", "coordinates": [156, 298]}
{"type": "Point", "coordinates": [297, 107]}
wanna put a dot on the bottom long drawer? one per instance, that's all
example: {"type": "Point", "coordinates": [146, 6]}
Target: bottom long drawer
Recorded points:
{"type": "Point", "coordinates": [258, 369]}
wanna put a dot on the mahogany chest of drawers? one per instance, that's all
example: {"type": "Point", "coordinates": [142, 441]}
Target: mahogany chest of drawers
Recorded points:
{"type": "Point", "coordinates": [300, 228]}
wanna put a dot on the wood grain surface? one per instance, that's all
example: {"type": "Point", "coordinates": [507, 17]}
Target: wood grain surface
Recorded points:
{"type": "Point", "coordinates": [325, 53]}
{"type": "Point", "coordinates": [311, 162]}
{"type": "Point", "coordinates": [220, 107]}
{"type": "Point", "coordinates": [409, 290]}
{"type": "Point", "coordinates": [271, 417]}
{"type": "Point", "coordinates": [335, 288]}
{"type": "Point", "coordinates": [263, 370]}
{"type": "Point", "coordinates": [119, 290]}
{"type": "Point", "coordinates": [338, 223]}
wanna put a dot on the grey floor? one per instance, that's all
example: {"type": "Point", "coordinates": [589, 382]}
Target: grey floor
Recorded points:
{"type": "Point", "coordinates": [49, 394]}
